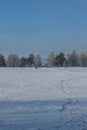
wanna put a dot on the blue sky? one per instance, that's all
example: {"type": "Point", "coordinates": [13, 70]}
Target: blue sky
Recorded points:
{"type": "Point", "coordinates": [31, 26]}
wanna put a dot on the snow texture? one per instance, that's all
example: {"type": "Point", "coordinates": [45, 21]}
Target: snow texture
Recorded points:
{"type": "Point", "coordinates": [43, 99]}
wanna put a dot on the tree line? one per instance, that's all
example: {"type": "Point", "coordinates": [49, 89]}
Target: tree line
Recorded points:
{"type": "Point", "coordinates": [72, 59]}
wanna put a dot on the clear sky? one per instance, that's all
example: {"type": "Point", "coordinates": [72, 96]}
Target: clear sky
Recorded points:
{"type": "Point", "coordinates": [29, 26]}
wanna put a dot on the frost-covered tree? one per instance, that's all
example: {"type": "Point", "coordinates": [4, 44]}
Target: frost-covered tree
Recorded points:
{"type": "Point", "coordinates": [37, 60]}
{"type": "Point", "coordinates": [13, 60]}
{"type": "Point", "coordinates": [82, 58]}
{"type": "Point", "coordinates": [2, 61]}
{"type": "Point", "coordinates": [50, 59]}
{"type": "Point", "coordinates": [72, 58]}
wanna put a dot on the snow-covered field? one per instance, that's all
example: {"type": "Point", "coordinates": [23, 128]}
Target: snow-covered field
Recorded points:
{"type": "Point", "coordinates": [43, 99]}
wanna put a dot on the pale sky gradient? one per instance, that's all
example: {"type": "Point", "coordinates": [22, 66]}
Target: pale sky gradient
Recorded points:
{"type": "Point", "coordinates": [29, 26]}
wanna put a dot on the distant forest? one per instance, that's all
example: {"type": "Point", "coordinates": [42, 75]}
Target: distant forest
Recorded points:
{"type": "Point", "coordinates": [72, 59]}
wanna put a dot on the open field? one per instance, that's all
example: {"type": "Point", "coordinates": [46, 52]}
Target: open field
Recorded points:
{"type": "Point", "coordinates": [43, 99]}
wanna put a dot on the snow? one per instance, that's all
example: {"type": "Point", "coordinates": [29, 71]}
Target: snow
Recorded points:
{"type": "Point", "coordinates": [43, 98]}
{"type": "Point", "coordinates": [42, 84]}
